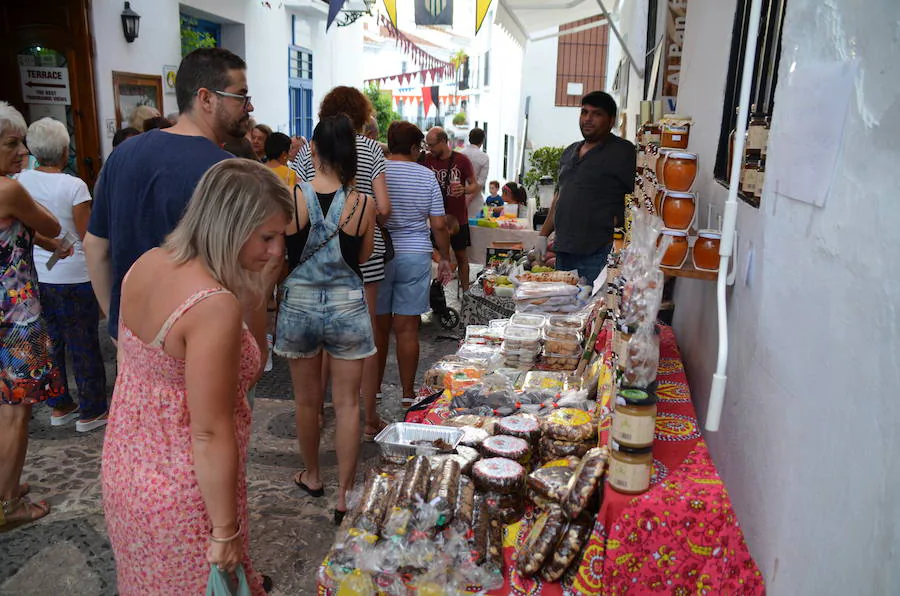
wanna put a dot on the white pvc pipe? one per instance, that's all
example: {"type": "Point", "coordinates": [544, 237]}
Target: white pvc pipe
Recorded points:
{"type": "Point", "coordinates": [726, 248]}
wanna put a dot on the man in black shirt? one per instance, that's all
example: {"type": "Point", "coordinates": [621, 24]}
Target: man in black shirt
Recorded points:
{"type": "Point", "coordinates": [594, 177]}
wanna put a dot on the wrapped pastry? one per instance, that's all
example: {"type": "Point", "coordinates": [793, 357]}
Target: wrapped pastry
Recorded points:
{"type": "Point", "coordinates": [472, 436]}
{"type": "Point", "coordinates": [585, 481]}
{"type": "Point", "coordinates": [541, 540]}
{"type": "Point", "coordinates": [374, 504]}
{"type": "Point", "coordinates": [512, 448]}
{"type": "Point", "coordinates": [570, 545]}
{"type": "Point", "coordinates": [465, 504]}
{"type": "Point", "coordinates": [415, 481]}
{"type": "Point", "coordinates": [551, 480]}
{"type": "Point", "coordinates": [481, 524]}
{"type": "Point", "coordinates": [500, 475]}
{"type": "Point", "coordinates": [552, 449]}
{"type": "Point", "coordinates": [495, 542]}
{"type": "Point", "coordinates": [562, 346]}
{"type": "Point", "coordinates": [523, 426]}
{"type": "Point", "coordinates": [641, 358]}
{"type": "Point", "coordinates": [569, 424]}
{"type": "Point", "coordinates": [447, 491]}
{"type": "Point", "coordinates": [560, 362]}
{"type": "Point", "coordinates": [505, 509]}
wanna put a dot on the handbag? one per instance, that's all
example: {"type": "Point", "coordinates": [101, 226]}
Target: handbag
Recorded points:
{"type": "Point", "coordinates": [388, 244]}
{"type": "Point", "coordinates": [219, 584]}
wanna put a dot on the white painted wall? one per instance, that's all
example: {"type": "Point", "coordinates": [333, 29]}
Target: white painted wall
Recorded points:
{"type": "Point", "coordinates": [267, 35]}
{"type": "Point", "coordinates": [809, 434]}
{"type": "Point", "coordinates": [548, 125]}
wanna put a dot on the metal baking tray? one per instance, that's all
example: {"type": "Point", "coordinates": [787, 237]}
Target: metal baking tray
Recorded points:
{"type": "Point", "coordinates": [396, 440]}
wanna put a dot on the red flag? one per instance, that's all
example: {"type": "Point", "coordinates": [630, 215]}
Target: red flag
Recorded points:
{"type": "Point", "coordinates": [430, 96]}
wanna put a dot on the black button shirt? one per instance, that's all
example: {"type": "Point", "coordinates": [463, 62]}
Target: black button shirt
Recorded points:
{"type": "Point", "coordinates": [592, 193]}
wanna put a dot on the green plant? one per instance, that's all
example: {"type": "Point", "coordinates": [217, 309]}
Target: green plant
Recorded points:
{"type": "Point", "coordinates": [459, 119]}
{"type": "Point", "coordinates": [384, 110]}
{"type": "Point", "coordinates": [458, 58]}
{"type": "Point", "coordinates": [191, 39]}
{"type": "Point", "coordinates": [544, 162]}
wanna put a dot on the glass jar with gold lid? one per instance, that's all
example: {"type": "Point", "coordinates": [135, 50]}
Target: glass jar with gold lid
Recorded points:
{"type": "Point", "coordinates": [634, 420]}
{"type": "Point", "coordinates": [629, 468]}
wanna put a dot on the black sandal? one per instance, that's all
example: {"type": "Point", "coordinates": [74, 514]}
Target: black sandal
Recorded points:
{"type": "Point", "coordinates": [339, 516]}
{"type": "Point", "coordinates": [313, 492]}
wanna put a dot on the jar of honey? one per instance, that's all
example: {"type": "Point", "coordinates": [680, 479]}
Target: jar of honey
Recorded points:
{"type": "Point", "coordinates": [706, 250]}
{"type": "Point", "coordinates": [630, 468]}
{"type": "Point", "coordinates": [676, 131]}
{"type": "Point", "coordinates": [677, 209]}
{"type": "Point", "coordinates": [680, 170]}
{"type": "Point", "coordinates": [676, 255]}
{"type": "Point", "coordinates": [634, 421]}
{"type": "Point", "coordinates": [660, 166]}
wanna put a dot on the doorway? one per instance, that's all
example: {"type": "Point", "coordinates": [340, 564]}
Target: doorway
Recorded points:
{"type": "Point", "coordinates": [47, 45]}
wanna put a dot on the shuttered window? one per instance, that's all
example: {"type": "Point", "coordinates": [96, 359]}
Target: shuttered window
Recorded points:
{"type": "Point", "coordinates": [581, 62]}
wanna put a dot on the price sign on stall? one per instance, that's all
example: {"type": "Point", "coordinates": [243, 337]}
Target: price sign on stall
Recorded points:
{"type": "Point", "coordinates": [45, 84]}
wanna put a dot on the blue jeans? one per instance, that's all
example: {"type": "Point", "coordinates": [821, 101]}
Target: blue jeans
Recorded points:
{"type": "Point", "coordinates": [588, 266]}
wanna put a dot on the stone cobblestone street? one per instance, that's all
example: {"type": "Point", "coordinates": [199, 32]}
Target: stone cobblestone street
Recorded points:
{"type": "Point", "coordinates": [67, 553]}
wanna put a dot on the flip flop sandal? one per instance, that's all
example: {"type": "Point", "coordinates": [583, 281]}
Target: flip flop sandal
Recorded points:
{"type": "Point", "coordinates": [313, 492]}
{"type": "Point", "coordinates": [9, 510]}
{"type": "Point", "coordinates": [24, 489]}
{"type": "Point", "coordinates": [370, 437]}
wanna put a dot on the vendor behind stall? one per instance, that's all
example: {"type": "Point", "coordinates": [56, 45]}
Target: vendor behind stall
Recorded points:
{"type": "Point", "coordinates": [594, 176]}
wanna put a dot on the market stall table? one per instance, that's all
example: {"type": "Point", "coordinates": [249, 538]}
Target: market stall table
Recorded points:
{"type": "Point", "coordinates": [479, 309]}
{"type": "Point", "coordinates": [680, 537]}
{"type": "Point", "coordinates": [482, 238]}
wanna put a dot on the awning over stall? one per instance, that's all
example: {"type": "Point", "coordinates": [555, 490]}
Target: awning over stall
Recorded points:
{"type": "Point", "coordinates": [523, 19]}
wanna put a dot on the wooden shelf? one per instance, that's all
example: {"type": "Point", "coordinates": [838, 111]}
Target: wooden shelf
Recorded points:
{"type": "Point", "coordinates": [689, 271]}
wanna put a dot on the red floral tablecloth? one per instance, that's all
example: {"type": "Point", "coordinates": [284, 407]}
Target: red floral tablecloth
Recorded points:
{"type": "Point", "coordinates": [680, 537]}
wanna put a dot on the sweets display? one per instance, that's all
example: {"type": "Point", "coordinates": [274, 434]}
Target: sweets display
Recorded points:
{"type": "Point", "coordinates": [584, 482]}
{"type": "Point", "coordinates": [500, 475]}
{"type": "Point", "coordinates": [569, 424]}
{"type": "Point", "coordinates": [573, 540]}
{"type": "Point", "coordinates": [542, 539]}
{"type": "Point", "coordinates": [512, 448]}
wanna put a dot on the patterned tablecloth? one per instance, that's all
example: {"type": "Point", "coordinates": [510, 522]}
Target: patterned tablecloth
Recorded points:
{"type": "Point", "coordinates": [680, 537]}
{"type": "Point", "coordinates": [479, 309]}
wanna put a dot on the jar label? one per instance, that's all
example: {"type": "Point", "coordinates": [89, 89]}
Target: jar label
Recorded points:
{"type": "Point", "coordinates": [676, 137]}
{"type": "Point", "coordinates": [633, 430]}
{"type": "Point", "coordinates": [629, 477]}
{"type": "Point", "coordinates": [757, 136]}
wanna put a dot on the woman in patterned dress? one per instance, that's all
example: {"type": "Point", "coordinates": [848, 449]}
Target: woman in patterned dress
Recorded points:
{"type": "Point", "coordinates": [174, 483]}
{"type": "Point", "coordinates": [27, 373]}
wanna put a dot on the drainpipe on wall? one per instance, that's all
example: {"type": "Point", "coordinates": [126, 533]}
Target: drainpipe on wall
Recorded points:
{"type": "Point", "coordinates": [726, 248]}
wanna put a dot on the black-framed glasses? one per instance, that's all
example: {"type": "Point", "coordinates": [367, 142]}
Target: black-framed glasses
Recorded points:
{"type": "Point", "coordinates": [245, 98]}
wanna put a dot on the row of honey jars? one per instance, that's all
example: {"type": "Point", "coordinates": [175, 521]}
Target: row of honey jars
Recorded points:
{"type": "Point", "coordinates": [705, 253]}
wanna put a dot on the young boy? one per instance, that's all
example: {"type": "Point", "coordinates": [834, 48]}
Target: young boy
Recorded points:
{"type": "Point", "coordinates": [494, 199]}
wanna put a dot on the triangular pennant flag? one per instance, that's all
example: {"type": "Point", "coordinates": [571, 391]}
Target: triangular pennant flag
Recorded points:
{"type": "Point", "coordinates": [391, 7]}
{"type": "Point", "coordinates": [430, 97]}
{"type": "Point", "coordinates": [481, 10]}
{"type": "Point", "coordinates": [334, 7]}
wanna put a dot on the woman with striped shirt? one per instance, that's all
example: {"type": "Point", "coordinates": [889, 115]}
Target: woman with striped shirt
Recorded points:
{"type": "Point", "coordinates": [370, 180]}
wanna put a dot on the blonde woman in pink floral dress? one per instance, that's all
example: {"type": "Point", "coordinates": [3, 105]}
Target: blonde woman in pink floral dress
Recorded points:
{"type": "Point", "coordinates": [174, 487]}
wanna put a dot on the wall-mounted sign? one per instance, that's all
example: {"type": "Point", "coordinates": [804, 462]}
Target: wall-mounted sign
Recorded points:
{"type": "Point", "coordinates": [169, 73]}
{"type": "Point", "coordinates": [44, 84]}
{"type": "Point", "coordinates": [676, 17]}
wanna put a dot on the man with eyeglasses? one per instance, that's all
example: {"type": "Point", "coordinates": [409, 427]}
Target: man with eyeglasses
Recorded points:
{"type": "Point", "coordinates": [456, 177]}
{"type": "Point", "coordinates": [147, 182]}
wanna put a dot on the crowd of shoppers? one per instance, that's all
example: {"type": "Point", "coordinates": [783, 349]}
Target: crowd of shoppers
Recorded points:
{"type": "Point", "coordinates": [184, 270]}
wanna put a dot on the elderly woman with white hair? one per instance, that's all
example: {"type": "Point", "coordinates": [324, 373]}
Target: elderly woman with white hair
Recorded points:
{"type": "Point", "coordinates": [67, 299]}
{"type": "Point", "coordinates": [27, 372]}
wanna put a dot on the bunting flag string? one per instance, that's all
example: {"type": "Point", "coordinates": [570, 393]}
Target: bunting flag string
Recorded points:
{"type": "Point", "coordinates": [434, 74]}
{"type": "Point", "coordinates": [419, 56]}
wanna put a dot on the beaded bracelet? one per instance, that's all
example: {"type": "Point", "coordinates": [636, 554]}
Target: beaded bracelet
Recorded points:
{"type": "Point", "coordinates": [229, 539]}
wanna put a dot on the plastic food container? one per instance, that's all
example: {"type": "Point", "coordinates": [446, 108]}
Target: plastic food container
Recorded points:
{"type": "Point", "coordinates": [401, 440]}
{"type": "Point", "coordinates": [554, 345]}
{"type": "Point", "coordinates": [568, 321]}
{"type": "Point", "coordinates": [567, 362]}
{"type": "Point", "coordinates": [498, 323]}
{"type": "Point", "coordinates": [546, 380]}
{"type": "Point", "coordinates": [517, 337]}
{"type": "Point", "coordinates": [519, 358]}
{"type": "Point", "coordinates": [527, 320]}
{"type": "Point", "coordinates": [504, 291]}
{"type": "Point", "coordinates": [476, 334]}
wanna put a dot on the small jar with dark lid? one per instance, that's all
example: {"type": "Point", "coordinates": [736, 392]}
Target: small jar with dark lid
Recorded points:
{"type": "Point", "coordinates": [629, 468]}
{"type": "Point", "coordinates": [634, 420]}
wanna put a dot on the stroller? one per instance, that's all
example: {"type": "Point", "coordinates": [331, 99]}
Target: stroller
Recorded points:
{"type": "Point", "coordinates": [447, 316]}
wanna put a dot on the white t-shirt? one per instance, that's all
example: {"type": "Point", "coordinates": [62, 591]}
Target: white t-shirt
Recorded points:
{"type": "Point", "coordinates": [480, 165]}
{"type": "Point", "coordinates": [59, 193]}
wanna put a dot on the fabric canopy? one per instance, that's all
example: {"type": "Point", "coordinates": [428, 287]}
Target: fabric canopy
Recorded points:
{"type": "Point", "coordinates": [525, 18]}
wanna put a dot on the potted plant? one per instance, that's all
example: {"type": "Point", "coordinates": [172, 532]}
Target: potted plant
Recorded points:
{"type": "Point", "coordinates": [544, 162]}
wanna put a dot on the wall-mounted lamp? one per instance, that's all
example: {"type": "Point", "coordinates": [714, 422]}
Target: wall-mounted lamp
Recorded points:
{"type": "Point", "coordinates": [131, 22]}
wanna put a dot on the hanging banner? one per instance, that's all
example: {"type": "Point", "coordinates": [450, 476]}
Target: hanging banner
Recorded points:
{"type": "Point", "coordinates": [434, 12]}
{"type": "Point", "coordinates": [481, 10]}
{"type": "Point", "coordinates": [391, 7]}
{"type": "Point", "coordinates": [430, 96]}
{"type": "Point", "coordinates": [334, 7]}
{"type": "Point", "coordinates": [676, 17]}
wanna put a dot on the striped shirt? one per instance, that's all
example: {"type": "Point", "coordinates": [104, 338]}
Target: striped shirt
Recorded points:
{"type": "Point", "coordinates": [370, 164]}
{"type": "Point", "coordinates": [415, 196]}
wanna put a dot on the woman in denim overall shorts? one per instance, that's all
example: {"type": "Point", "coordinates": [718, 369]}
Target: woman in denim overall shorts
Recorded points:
{"type": "Point", "coordinates": [323, 304]}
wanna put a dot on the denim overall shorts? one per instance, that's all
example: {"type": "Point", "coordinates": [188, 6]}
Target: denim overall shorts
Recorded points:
{"type": "Point", "coordinates": [323, 300]}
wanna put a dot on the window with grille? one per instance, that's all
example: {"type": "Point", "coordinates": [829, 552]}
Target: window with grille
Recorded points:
{"type": "Point", "coordinates": [581, 62]}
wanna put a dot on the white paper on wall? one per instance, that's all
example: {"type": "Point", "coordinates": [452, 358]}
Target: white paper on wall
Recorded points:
{"type": "Point", "coordinates": [808, 129]}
